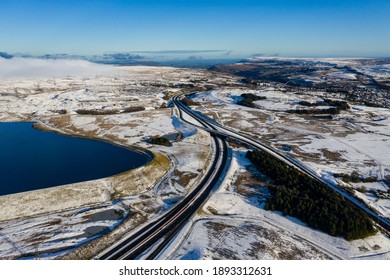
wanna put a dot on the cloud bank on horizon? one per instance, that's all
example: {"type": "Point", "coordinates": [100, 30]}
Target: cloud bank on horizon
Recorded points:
{"type": "Point", "coordinates": [16, 68]}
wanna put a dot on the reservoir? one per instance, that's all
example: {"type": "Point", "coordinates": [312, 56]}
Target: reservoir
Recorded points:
{"type": "Point", "coordinates": [32, 159]}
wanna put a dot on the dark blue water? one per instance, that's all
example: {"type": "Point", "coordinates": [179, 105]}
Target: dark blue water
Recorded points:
{"type": "Point", "coordinates": [32, 159]}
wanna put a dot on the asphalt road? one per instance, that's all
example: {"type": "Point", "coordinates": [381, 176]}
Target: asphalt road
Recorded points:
{"type": "Point", "coordinates": [164, 228]}
{"type": "Point", "coordinates": [154, 236]}
{"type": "Point", "coordinates": [218, 129]}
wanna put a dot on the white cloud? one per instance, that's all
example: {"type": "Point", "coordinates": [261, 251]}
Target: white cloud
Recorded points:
{"type": "Point", "coordinates": [48, 68]}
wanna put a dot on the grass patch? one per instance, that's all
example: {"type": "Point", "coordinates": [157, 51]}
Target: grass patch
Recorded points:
{"type": "Point", "coordinates": [333, 156]}
{"type": "Point", "coordinates": [110, 214]}
{"type": "Point", "coordinates": [137, 180]}
{"type": "Point", "coordinates": [184, 177]}
{"type": "Point", "coordinates": [97, 112]}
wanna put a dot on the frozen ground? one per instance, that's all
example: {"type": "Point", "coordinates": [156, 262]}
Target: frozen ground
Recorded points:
{"type": "Point", "coordinates": [234, 225]}
{"type": "Point", "coordinates": [125, 105]}
{"type": "Point", "coordinates": [355, 140]}
{"type": "Point", "coordinates": [47, 236]}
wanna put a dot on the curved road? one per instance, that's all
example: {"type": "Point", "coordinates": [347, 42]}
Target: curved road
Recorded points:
{"type": "Point", "coordinates": [154, 236]}
{"type": "Point", "coordinates": [218, 129]}
{"type": "Point", "coordinates": [161, 230]}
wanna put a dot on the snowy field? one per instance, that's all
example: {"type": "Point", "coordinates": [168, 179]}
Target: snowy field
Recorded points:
{"type": "Point", "coordinates": [355, 140]}
{"type": "Point", "coordinates": [128, 106]}
{"type": "Point", "coordinates": [234, 225]}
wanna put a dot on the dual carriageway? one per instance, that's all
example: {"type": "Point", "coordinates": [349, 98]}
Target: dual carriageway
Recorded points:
{"type": "Point", "coordinates": [149, 240]}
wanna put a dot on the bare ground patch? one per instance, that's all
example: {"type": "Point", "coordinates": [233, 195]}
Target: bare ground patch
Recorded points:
{"type": "Point", "coordinates": [230, 239]}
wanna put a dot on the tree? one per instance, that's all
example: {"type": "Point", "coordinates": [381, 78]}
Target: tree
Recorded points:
{"type": "Point", "coordinates": [355, 178]}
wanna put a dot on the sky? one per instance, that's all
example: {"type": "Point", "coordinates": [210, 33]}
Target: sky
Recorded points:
{"type": "Point", "coordinates": [229, 28]}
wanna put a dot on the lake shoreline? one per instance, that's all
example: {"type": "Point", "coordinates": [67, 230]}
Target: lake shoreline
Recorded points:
{"type": "Point", "coordinates": [33, 160]}
{"type": "Point", "coordinates": [85, 193]}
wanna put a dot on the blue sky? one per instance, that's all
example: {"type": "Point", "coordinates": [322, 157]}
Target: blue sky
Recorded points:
{"type": "Point", "coordinates": [288, 28]}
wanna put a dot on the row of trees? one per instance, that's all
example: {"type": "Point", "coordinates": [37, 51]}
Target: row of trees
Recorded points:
{"type": "Point", "coordinates": [109, 111]}
{"type": "Point", "coordinates": [311, 201]}
{"type": "Point", "coordinates": [343, 105]}
{"type": "Point", "coordinates": [331, 111]}
{"type": "Point", "coordinates": [337, 107]}
{"type": "Point", "coordinates": [249, 98]}
{"type": "Point", "coordinates": [160, 141]}
{"type": "Point", "coordinates": [355, 177]}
